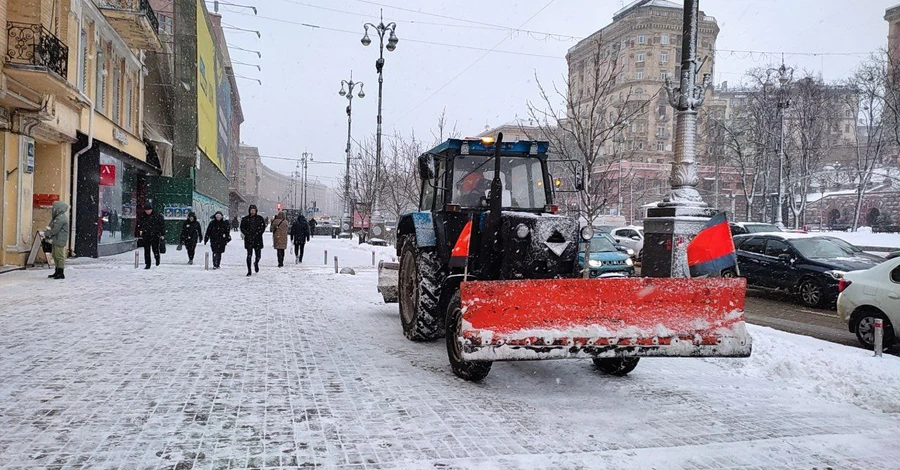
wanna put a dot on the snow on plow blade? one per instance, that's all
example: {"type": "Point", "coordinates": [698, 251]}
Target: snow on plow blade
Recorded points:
{"type": "Point", "coordinates": [635, 317]}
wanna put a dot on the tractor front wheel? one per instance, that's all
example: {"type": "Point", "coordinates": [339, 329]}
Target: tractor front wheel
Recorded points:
{"type": "Point", "coordinates": [419, 291]}
{"type": "Point", "coordinates": [618, 366]}
{"type": "Point", "coordinates": [473, 371]}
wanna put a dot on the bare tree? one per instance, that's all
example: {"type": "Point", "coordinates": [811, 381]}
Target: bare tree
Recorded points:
{"type": "Point", "coordinates": [588, 121]}
{"type": "Point", "coordinates": [401, 191]}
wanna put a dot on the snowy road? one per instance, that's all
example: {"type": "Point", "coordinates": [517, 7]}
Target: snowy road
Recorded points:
{"type": "Point", "coordinates": [178, 367]}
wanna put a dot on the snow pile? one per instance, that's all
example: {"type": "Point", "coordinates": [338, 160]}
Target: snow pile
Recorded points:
{"type": "Point", "coordinates": [867, 238]}
{"type": "Point", "coordinates": [837, 373]}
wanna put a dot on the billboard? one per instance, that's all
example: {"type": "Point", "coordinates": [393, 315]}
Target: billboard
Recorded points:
{"type": "Point", "coordinates": [207, 126]}
{"type": "Point", "coordinates": [223, 102]}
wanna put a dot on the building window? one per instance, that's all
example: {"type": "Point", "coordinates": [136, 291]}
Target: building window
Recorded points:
{"type": "Point", "coordinates": [663, 76]}
{"type": "Point", "coordinates": [642, 39]}
{"type": "Point", "coordinates": [116, 93]}
{"type": "Point", "coordinates": [639, 57]}
{"type": "Point", "coordinates": [624, 43]}
{"type": "Point", "coordinates": [660, 146]}
{"type": "Point", "coordinates": [639, 74]}
{"type": "Point", "coordinates": [100, 91]}
{"type": "Point", "coordinates": [118, 196]}
{"type": "Point", "coordinates": [82, 66]}
{"type": "Point", "coordinates": [663, 57]}
{"type": "Point", "coordinates": [847, 128]}
{"type": "Point", "coordinates": [660, 130]}
{"type": "Point", "coordinates": [128, 104]}
{"type": "Point", "coordinates": [166, 25]}
{"type": "Point", "coordinates": [664, 39]}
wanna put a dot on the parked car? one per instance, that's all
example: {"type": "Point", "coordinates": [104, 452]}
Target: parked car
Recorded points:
{"type": "Point", "coordinates": [807, 266]}
{"type": "Point", "coordinates": [741, 228]}
{"type": "Point", "coordinates": [893, 254]}
{"type": "Point", "coordinates": [868, 295]}
{"type": "Point", "coordinates": [630, 237]}
{"type": "Point", "coordinates": [624, 249]}
{"type": "Point", "coordinates": [607, 258]}
{"type": "Point", "coordinates": [855, 249]}
{"type": "Point", "coordinates": [603, 228]}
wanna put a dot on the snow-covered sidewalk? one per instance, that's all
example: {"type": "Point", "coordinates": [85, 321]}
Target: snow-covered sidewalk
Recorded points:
{"type": "Point", "coordinates": [178, 367]}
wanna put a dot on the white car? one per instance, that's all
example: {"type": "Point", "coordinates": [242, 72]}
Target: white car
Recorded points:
{"type": "Point", "coordinates": [870, 294]}
{"type": "Point", "coordinates": [630, 237]}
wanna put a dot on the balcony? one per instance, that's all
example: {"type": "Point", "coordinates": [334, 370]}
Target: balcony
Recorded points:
{"type": "Point", "coordinates": [36, 57]}
{"type": "Point", "coordinates": [134, 20]}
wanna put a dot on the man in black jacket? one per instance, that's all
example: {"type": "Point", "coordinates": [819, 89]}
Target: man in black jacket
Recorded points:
{"type": "Point", "coordinates": [151, 230]}
{"type": "Point", "coordinates": [300, 235]}
{"type": "Point", "coordinates": [253, 226]}
{"type": "Point", "coordinates": [191, 234]}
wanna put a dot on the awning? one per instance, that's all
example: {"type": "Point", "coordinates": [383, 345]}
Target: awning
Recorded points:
{"type": "Point", "coordinates": [163, 148]}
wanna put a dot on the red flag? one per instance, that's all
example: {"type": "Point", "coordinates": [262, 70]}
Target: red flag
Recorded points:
{"type": "Point", "coordinates": [459, 257]}
{"type": "Point", "coordinates": [712, 250]}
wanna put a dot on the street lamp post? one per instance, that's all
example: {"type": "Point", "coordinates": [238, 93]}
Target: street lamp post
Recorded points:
{"type": "Point", "coordinates": [305, 157]}
{"type": "Point", "coordinates": [376, 222]}
{"type": "Point", "coordinates": [785, 75]}
{"type": "Point", "coordinates": [346, 219]}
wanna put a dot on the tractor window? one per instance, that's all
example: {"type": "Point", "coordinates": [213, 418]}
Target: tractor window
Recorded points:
{"type": "Point", "coordinates": [523, 182]}
{"type": "Point", "coordinates": [427, 200]}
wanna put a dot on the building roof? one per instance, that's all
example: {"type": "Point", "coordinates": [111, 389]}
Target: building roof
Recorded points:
{"type": "Point", "coordinates": [646, 3]}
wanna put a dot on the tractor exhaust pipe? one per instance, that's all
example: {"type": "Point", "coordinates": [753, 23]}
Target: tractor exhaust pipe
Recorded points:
{"type": "Point", "coordinates": [496, 194]}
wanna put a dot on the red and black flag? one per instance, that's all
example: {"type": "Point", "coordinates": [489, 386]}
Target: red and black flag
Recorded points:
{"type": "Point", "coordinates": [711, 252]}
{"type": "Point", "coordinates": [459, 257]}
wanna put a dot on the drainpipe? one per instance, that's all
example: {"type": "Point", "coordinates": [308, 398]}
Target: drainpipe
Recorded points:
{"type": "Point", "coordinates": [90, 143]}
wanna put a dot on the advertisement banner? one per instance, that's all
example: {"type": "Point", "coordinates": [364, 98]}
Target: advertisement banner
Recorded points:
{"type": "Point", "coordinates": [107, 175]}
{"type": "Point", "coordinates": [207, 126]}
{"type": "Point", "coordinates": [223, 102]}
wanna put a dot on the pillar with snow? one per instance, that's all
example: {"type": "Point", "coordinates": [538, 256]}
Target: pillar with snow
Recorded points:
{"type": "Point", "coordinates": [671, 225]}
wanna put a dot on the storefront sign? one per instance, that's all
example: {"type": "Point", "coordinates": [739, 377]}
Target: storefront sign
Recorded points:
{"type": "Point", "coordinates": [44, 200]}
{"type": "Point", "coordinates": [107, 175]}
{"type": "Point", "coordinates": [28, 153]}
{"type": "Point", "coordinates": [120, 136]}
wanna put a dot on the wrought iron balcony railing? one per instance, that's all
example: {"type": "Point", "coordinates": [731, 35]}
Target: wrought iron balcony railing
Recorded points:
{"type": "Point", "coordinates": [34, 45]}
{"type": "Point", "coordinates": [142, 6]}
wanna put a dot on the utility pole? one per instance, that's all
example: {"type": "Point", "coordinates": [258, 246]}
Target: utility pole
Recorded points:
{"type": "Point", "coordinates": [305, 157]}
{"type": "Point", "coordinates": [347, 218]}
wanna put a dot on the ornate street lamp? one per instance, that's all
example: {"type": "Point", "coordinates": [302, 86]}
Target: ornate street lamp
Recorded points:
{"type": "Point", "coordinates": [785, 76]}
{"type": "Point", "coordinates": [347, 219]}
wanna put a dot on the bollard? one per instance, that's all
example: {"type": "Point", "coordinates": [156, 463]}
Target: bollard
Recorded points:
{"type": "Point", "coordinates": [373, 258]}
{"type": "Point", "coordinates": [137, 259]}
{"type": "Point", "coordinates": [206, 261]}
{"type": "Point", "coordinates": [879, 336]}
{"type": "Point", "coordinates": [335, 265]}
{"type": "Point", "coordinates": [326, 257]}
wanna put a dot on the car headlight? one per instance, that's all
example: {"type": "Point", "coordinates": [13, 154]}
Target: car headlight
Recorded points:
{"type": "Point", "coordinates": [587, 232]}
{"type": "Point", "coordinates": [628, 262]}
{"type": "Point", "coordinates": [596, 263]}
{"type": "Point", "coordinates": [522, 231]}
{"type": "Point", "coordinates": [835, 274]}
{"type": "Point", "coordinates": [629, 252]}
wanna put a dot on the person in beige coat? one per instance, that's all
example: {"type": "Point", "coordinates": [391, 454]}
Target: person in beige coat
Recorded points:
{"type": "Point", "coordinates": [279, 228]}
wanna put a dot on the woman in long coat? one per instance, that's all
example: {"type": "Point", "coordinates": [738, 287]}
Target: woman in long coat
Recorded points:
{"type": "Point", "coordinates": [279, 228]}
{"type": "Point", "coordinates": [218, 235]}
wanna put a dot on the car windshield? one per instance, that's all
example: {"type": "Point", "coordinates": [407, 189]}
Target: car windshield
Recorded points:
{"type": "Point", "coordinates": [761, 228]}
{"type": "Point", "coordinates": [600, 244]}
{"type": "Point", "coordinates": [522, 177]}
{"type": "Point", "coordinates": [843, 244]}
{"type": "Point", "coordinates": [820, 248]}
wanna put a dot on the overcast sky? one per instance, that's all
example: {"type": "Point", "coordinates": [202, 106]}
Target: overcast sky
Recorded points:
{"type": "Point", "coordinates": [298, 109]}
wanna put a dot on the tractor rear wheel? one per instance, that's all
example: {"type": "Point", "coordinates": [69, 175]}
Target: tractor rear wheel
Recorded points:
{"type": "Point", "coordinates": [419, 285]}
{"type": "Point", "coordinates": [618, 366]}
{"type": "Point", "coordinates": [473, 371]}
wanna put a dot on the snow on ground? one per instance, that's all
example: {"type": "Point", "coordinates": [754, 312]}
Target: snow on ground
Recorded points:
{"type": "Point", "coordinates": [865, 237]}
{"type": "Point", "coordinates": [178, 367]}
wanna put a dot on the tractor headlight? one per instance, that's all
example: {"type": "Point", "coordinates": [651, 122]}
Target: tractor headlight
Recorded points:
{"type": "Point", "coordinates": [587, 232]}
{"type": "Point", "coordinates": [522, 231]}
{"type": "Point", "coordinates": [595, 263]}
{"type": "Point", "coordinates": [835, 274]}
{"type": "Point", "coordinates": [628, 262]}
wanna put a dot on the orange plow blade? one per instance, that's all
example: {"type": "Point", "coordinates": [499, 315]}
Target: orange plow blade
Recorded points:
{"type": "Point", "coordinates": [571, 318]}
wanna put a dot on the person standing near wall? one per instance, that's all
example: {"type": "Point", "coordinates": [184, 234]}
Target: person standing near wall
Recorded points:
{"type": "Point", "coordinates": [57, 234]}
{"type": "Point", "coordinates": [191, 234]}
{"type": "Point", "coordinates": [279, 230]}
{"type": "Point", "coordinates": [253, 226]}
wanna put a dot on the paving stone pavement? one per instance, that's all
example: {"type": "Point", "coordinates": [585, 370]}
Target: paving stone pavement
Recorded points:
{"type": "Point", "coordinates": [180, 368]}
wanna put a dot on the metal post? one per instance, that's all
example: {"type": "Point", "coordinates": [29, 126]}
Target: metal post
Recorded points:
{"type": "Point", "coordinates": [326, 257]}
{"type": "Point", "coordinates": [206, 261]}
{"type": "Point", "coordinates": [373, 257]}
{"type": "Point", "coordinates": [335, 265]}
{"type": "Point", "coordinates": [879, 336]}
{"type": "Point", "coordinates": [779, 204]}
{"type": "Point", "coordinates": [137, 259]}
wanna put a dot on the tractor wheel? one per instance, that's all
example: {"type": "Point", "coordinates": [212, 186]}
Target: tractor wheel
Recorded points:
{"type": "Point", "coordinates": [473, 371]}
{"type": "Point", "coordinates": [419, 286]}
{"type": "Point", "coordinates": [618, 366]}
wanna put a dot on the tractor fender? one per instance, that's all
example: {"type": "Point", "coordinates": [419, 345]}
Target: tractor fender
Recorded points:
{"type": "Point", "coordinates": [419, 225]}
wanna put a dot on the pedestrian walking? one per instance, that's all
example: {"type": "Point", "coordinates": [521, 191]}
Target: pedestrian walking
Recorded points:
{"type": "Point", "coordinates": [235, 224]}
{"type": "Point", "coordinates": [217, 235]}
{"type": "Point", "coordinates": [253, 226]}
{"type": "Point", "coordinates": [299, 235]}
{"type": "Point", "coordinates": [57, 234]}
{"type": "Point", "coordinates": [312, 227]}
{"type": "Point", "coordinates": [279, 230]}
{"type": "Point", "coordinates": [191, 234]}
{"type": "Point", "coordinates": [150, 230]}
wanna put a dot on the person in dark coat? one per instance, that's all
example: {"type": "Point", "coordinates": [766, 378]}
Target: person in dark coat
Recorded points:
{"type": "Point", "coordinates": [235, 224]}
{"type": "Point", "coordinates": [217, 234]}
{"type": "Point", "coordinates": [253, 226]}
{"type": "Point", "coordinates": [191, 234]}
{"type": "Point", "coordinates": [300, 235]}
{"type": "Point", "coordinates": [312, 227]}
{"type": "Point", "coordinates": [151, 229]}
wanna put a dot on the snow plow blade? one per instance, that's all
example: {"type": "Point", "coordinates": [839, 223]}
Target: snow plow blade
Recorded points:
{"type": "Point", "coordinates": [603, 318]}
{"type": "Point", "coordinates": [388, 272]}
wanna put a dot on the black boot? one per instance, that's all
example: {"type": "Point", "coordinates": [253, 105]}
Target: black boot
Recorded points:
{"type": "Point", "coordinates": [62, 274]}
{"type": "Point", "coordinates": [157, 260]}
{"type": "Point", "coordinates": [55, 274]}
{"type": "Point", "coordinates": [256, 266]}
{"type": "Point", "coordinates": [248, 268]}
